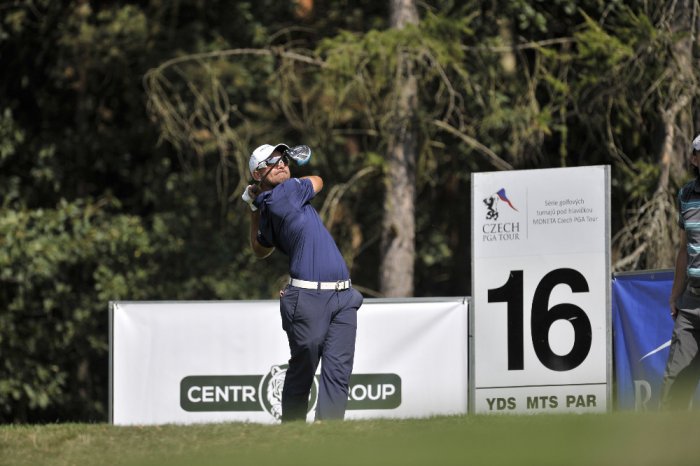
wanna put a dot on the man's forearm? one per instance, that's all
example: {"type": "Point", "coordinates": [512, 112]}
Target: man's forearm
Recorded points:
{"type": "Point", "coordinates": [258, 249]}
{"type": "Point", "coordinates": [679, 276]}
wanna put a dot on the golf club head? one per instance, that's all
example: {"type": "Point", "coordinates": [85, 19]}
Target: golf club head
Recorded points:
{"type": "Point", "coordinates": [300, 154]}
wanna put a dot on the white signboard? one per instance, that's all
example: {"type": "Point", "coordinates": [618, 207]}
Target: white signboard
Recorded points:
{"type": "Point", "coordinates": [541, 291]}
{"type": "Point", "coordinates": [192, 362]}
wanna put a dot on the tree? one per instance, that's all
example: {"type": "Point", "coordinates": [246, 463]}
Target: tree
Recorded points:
{"type": "Point", "coordinates": [92, 207]}
{"type": "Point", "coordinates": [398, 224]}
{"type": "Point", "coordinates": [655, 96]}
{"type": "Point", "coordinates": [101, 200]}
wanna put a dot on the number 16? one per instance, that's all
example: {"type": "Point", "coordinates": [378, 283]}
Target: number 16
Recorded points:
{"type": "Point", "coordinates": [542, 318]}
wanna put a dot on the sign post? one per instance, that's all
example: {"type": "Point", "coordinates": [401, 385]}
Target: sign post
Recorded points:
{"type": "Point", "coordinates": [541, 338]}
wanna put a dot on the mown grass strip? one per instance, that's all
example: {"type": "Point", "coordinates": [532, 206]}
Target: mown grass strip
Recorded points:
{"type": "Point", "coordinates": [620, 438]}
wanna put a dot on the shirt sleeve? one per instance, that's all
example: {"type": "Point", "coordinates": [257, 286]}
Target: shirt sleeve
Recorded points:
{"type": "Point", "coordinates": [681, 222]}
{"type": "Point", "coordinates": [300, 191]}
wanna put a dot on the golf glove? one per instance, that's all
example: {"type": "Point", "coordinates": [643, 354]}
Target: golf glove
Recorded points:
{"type": "Point", "coordinates": [248, 199]}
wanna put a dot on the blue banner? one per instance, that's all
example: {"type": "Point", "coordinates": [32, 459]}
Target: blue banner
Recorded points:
{"type": "Point", "coordinates": [642, 328]}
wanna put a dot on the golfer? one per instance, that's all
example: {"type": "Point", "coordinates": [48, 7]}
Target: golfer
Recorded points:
{"type": "Point", "coordinates": [683, 364]}
{"type": "Point", "coordinates": [318, 306]}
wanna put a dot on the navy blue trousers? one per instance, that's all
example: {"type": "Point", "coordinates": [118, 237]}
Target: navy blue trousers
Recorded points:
{"type": "Point", "coordinates": [320, 326]}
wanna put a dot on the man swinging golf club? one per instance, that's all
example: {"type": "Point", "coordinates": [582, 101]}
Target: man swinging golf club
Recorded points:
{"type": "Point", "coordinates": [318, 307]}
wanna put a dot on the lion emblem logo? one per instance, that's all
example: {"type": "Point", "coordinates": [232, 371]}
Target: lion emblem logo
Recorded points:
{"type": "Point", "coordinates": [492, 201]}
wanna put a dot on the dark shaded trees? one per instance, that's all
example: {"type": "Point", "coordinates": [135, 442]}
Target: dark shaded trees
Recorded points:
{"type": "Point", "coordinates": [125, 127]}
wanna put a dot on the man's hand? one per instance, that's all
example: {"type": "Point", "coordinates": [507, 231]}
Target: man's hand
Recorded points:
{"type": "Point", "coordinates": [674, 309]}
{"type": "Point", "coordinates": [249, 194]}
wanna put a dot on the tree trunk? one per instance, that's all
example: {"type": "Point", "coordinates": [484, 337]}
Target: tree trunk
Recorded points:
{"type": "Point", "coordinates": [677, 116]}
{"type": "Point", "coordinates": [398, 226]}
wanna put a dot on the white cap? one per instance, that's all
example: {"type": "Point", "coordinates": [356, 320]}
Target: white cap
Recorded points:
{"type": "Point", "coordinates": [263, 153]}
{"type": "Point", "coordinates": [696, 142]}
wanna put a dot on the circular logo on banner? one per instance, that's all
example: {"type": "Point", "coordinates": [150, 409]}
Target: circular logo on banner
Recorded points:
{"type": "Point", "coordinates": [270, 391]}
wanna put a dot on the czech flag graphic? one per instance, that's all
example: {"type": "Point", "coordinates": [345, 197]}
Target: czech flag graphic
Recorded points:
{"type": "Point", "coordinates": [502, 196]}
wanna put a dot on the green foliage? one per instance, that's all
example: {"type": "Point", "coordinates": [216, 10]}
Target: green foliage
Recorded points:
{"type": "Point", "coordinates": [538, 15]}
{"type": "Point", "coordinates": [598, 49]}
{"type": "Point", "coordinates": [10, 135]}
{"type": "Point", "coordinates": [363, 68]}
{"type": "Point", "coordinates": [98, 202]}
{"type": "Point", "coordinates": [10, 138]}
{"type": "Point", "coordinates": [622, 83]}
{"type": "Point", "coordinates": [640, 179]}
{"type": "Point", "coordinates": [93, 208]}
{"type": "Point", "coordinates": [58, 269]}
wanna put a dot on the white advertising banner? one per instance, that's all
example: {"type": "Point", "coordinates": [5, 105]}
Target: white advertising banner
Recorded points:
{"type": "Point", "coordinates": [541, 291]}
{"type": "Point", "coordinates": [194, 362]}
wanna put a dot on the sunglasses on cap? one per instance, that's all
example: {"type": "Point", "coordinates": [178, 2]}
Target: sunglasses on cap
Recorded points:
{"type": "Point", "coordinates": [272, 161]}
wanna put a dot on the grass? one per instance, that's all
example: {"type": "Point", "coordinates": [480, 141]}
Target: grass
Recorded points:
{"type": "Point", "coordinates": [612, 439]}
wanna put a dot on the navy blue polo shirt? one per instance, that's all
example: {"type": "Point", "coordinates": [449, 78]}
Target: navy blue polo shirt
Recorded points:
{"type": "Point", "coordinates": [290, 223]}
